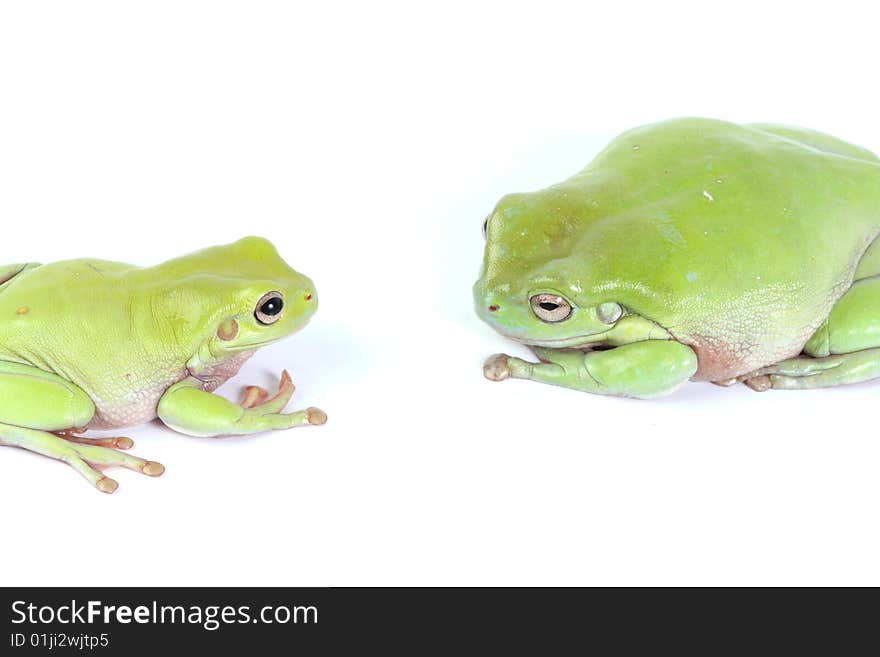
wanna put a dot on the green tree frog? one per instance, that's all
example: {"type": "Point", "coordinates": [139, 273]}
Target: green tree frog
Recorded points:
{"type": "Point", "coordinates": [692, 249]}
{"type": "Point", "coordinates": [89, 344]}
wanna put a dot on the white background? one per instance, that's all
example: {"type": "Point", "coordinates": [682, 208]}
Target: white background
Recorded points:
{"type": "Point", "coordinates": [369, 141]}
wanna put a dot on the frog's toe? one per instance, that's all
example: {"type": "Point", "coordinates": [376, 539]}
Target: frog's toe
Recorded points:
{"type": "Point", "coordinates": [285, 391]}
{"type": "Point", "coordinates": [258, 399]}
{"type": "Point", "coordinates": [759, 383]}
{"type": "Point", "coordinates": [113, 442]}
{"type": "Point", "coordinates": [496, 367]}
{"type": "Point", "coordinates": [315, 416]}
{"type": "Point", "coordinates": [309, 416]}
{"type": "Point", "coordinates": [107, 485]}
{"type": "Point", "coordinates": [153, 468]}
{"type": "Point", "coordinates": [99, 456]}
{"type": "Point", "coordinates": [253, 396]}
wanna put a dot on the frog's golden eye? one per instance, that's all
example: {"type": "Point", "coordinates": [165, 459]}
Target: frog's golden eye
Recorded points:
{"type": "Point", "coordinates": [550, 307]}
{"type": "Point", "coordinates": [269, 308]}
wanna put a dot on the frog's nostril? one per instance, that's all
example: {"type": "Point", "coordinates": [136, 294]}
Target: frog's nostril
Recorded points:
{"type": "Point", "coordinates": [493, 308]}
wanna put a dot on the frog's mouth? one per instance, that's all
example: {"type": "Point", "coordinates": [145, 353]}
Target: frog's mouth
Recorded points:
{"type": "Point", "coordinates": [252, 346]}
{"type": "Point", "coordinates": [564, 343]}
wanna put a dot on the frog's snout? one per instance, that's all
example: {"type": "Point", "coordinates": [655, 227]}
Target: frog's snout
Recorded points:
{"type": "Point", "coordinates": [305, 296]}
{"type": "Point", "coordinates": [487, 303]}
{"type": "Point", "coordinates": [310, 301]}
{"type": "Point", "coordinates": [489, 309]}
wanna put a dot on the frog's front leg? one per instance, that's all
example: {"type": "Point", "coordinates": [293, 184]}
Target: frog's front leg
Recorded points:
{"type": "Point", "coordinates": [187, 408]}
{"type": "Point", "coordinates": [640, 369]}
{"type": "Point", "coordinates": [38, 411]}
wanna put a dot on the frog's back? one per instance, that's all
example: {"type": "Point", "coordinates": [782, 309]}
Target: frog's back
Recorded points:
{"type": "Point", "coordinates": [818, 140]}
{"type": "Point", "coordinates": [738, 239]}
{"type": "Point", "coordinates": [68, 275]}
{"type": "Point", "coordinates": [45, 308]}
{"type": "Point", "coordinates": [78, 319]}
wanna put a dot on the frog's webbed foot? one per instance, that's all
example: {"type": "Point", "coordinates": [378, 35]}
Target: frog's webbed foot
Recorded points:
{"type": "Point", "coordinates": [86, 456]}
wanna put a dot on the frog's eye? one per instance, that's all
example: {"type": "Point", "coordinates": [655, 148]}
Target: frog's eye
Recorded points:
{"type": "Point", "coordinates": [550, 307]}
{"type": "Point", "coordinates": [269, 308]}
{"type": "Point", "coordinates": [486, 228]}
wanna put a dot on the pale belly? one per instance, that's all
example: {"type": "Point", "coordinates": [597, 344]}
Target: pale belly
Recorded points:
{"type": "Point", "coordinates": [117, 408]}
{"type": "Point", "coordinates": [738, 334]}
{"type": "Point", "coordinates": [135, 407]}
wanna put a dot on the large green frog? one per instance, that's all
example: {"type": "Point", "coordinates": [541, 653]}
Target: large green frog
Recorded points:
{"type": "Point", "coordinates": [90, 344]}
{"type": "Point", "coordinates": [692, 249]}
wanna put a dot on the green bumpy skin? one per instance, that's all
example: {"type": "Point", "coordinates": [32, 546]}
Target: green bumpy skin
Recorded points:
{"type": "Point", "coordinates": [752, 248]}
{"type": "Point", "coordinates": [89, 344]}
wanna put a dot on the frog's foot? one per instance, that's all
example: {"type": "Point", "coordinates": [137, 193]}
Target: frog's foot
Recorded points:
{"type": "Point", "coordinates": [87, 459]}
{"type": "Point", "coordinates": [257, 400]}
{"type": "Point", "coordinates": [807, 372]}
{"type": "Point", "coordinates": [188, 409]}
{"type": "Point", "coordinates": [114, 442]}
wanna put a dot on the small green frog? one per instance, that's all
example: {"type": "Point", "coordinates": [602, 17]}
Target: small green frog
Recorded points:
{"type": "Point", "coordinates": [693, 249]}
{"type": "Point", "coordinates": [88, 344]}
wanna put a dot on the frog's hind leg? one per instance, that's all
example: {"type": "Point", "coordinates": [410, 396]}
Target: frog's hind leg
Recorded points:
{"type": "Point", "coordinates": [35, 406]}
{"type": "Point", "coordinates": [845, 349]}
{"type": "Point", "coordinates": [85, 459]}
{"type": "Point", "coordinates": [8, 272]}
{"type": "Point", "coordinates": [806, 372]}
